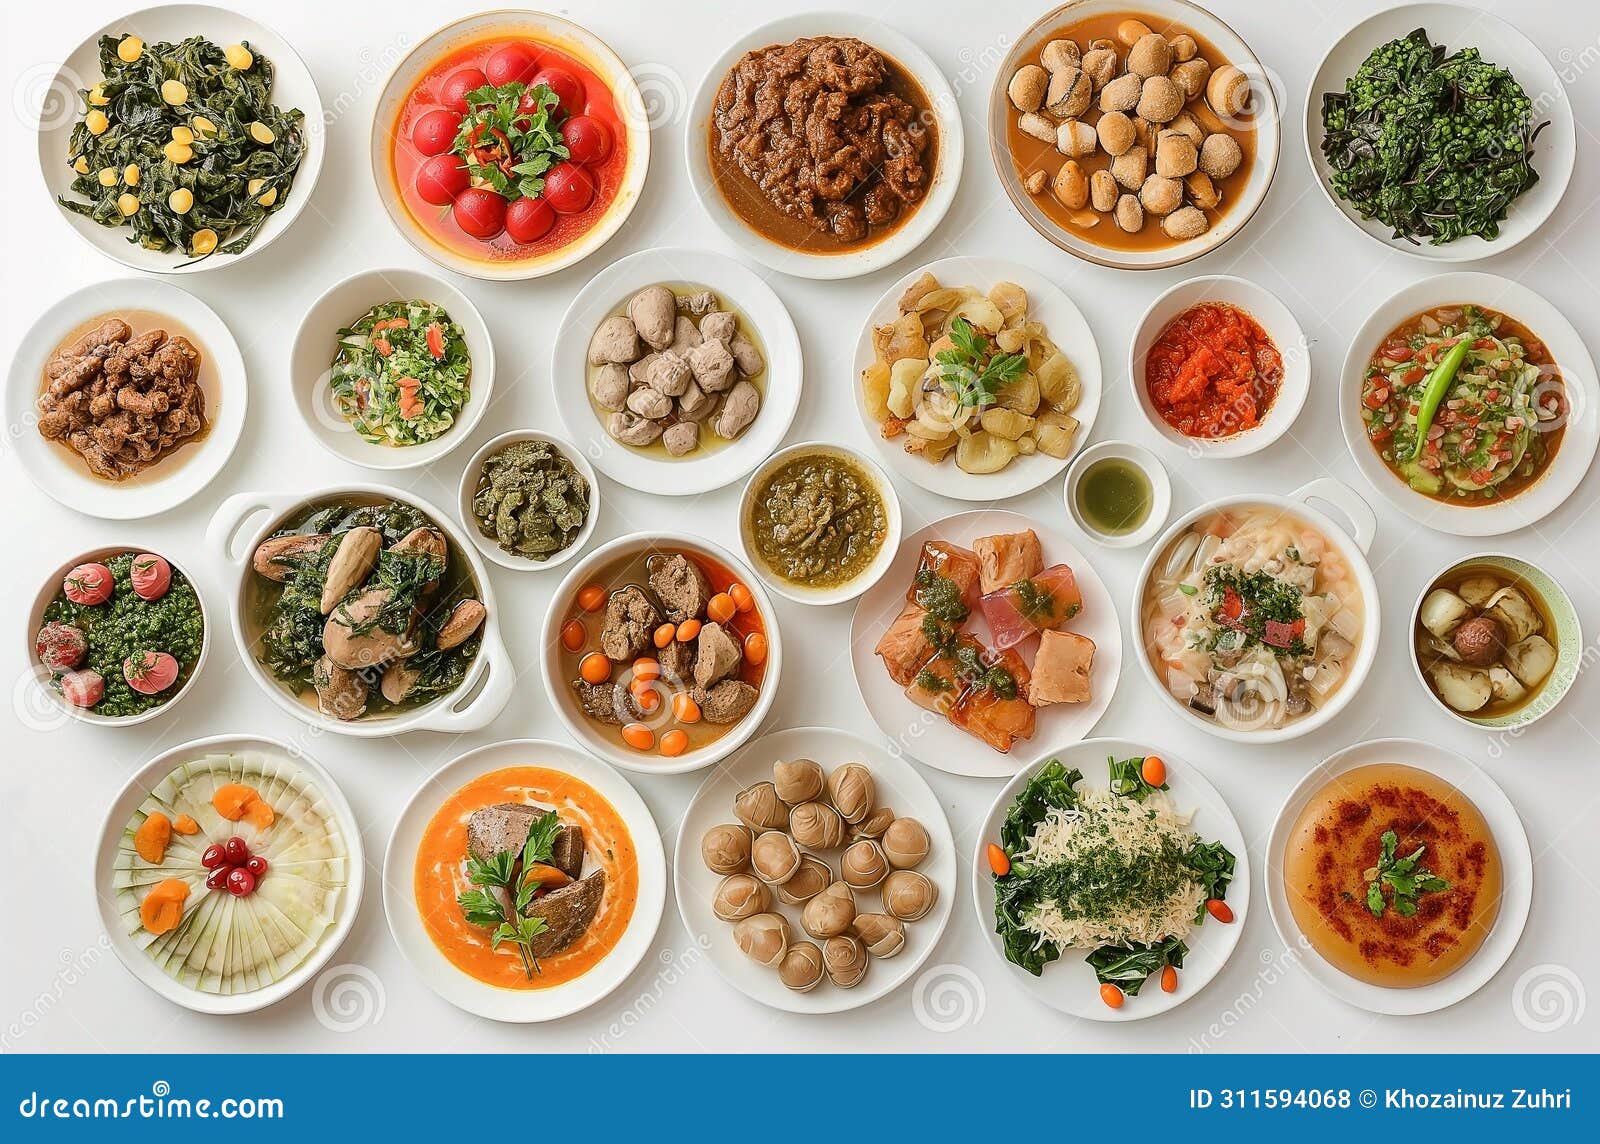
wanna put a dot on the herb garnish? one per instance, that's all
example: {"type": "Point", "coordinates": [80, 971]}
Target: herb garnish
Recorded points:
{"type": "Point", "coordinates": [510, 136]}
{"type": "Point", "coordinates": [482, 907]}
{"type": "Point", "coordinates": [973, 370]}
{"type": "Point", "coordinates": [1255, 607]}
{"type": "Point", "coordinates": [940, 596]}
{"type": "Point", "coordinates": [1127, 778]}
{"type": "Point", "coordinates": [1405, 879]}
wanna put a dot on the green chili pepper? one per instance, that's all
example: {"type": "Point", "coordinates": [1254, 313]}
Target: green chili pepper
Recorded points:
{"type": "Point", "coordinates": [1437, 386]}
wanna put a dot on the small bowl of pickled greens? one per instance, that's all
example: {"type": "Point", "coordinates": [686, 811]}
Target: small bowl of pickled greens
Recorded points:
{"type": "Point", "coordinates": [1441, 131]}
{"type": "Point", "coordinates": [820, 523]}
{"type": "Point", "coordinates": [1118, 493]}
{"type": "Point", "coordinates": [392, 369]}
{"type": "Point", "coordinates": [529, 500]}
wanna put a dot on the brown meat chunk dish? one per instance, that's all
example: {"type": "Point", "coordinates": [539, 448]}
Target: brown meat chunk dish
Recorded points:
{"type": "Point", "coordinates": [1006, 558]}
{"type": "Point", "coordinates": [905, 646]}
{"type": "Point", "coordinates": [727, 702]}
{"type": "Point", "coordinates": [819, 128]}
{"type": "Point", "coordinates": [122, 401]}
{"type": "Point", "coordinates": [718, 657]}
{"type": "Point", "coordinates": [681, 587]}
{"type": "Point", "coordinates": [677, 661]}
{"type": "Point", "coordinates": [567, 913]}
{"type": "Point", "coordinates": [630, 620]}
{"type": "Point", "coordinates": [607, 703]}
{"type": "Point", "coordinates": [499, 829]}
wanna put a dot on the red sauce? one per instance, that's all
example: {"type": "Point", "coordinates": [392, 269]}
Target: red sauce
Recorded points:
{"type": "Point", "coordinates": [438, 222]}
{"type": "Point", "coordinates": [1213, 371]}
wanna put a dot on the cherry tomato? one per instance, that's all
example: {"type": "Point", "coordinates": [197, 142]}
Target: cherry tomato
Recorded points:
{"type": "Point", "coordinates": [514, 63]}
{"type": "Point", "coordinates": [480, 212]}
{"type": "Point", "coordinates": [528, 220]}
{"type": "Point", "coordinates": [434, 132]}
{"type": "Point", "coordinates": [568, 88]}
{"type": "Point", "coordinates": [456, 85]}
{"type": "Point", "coordinates": [588, 141]}
{"type": "Point", "coordinates": [568, 188]}
{"type": "Point", "coordinates": [441, 179]}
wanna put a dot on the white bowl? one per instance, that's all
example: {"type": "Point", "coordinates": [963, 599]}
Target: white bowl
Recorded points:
{"type": "Point", "coordinates": [571, 38]}
{"type": "Point", "coordinates": [852, 261]}
{"type": "Point", "coordinates": [317, 341]}
{"type": "Point", "coordinates": [1160, 492]}
{"type": "Point", "coordinates": [292, 87]}
{"type": "Point", "coordinates": [244, 520]}
{"type": "Point", "coordinates": [1066, 326]}
{"type": "Point", "coordinates": [559, 688]}
{"type": "Point", "coordinates": [138, 962]}
{"type": "Point", "coordinates": [1068, 984]}
{"type": "Point", "coordinates": [1516, 895]}
{"type": "Point", "coordinates": [934, 740]}
{"type": "Point", "coordinates": [1353, 544]}
{"type": "Point", "coordinates": [1456, 26]}
{"type": "Point", "coordinates": [469, 487]}
{"type": "Point", "coordinates": [58, 706]}
{"type": "Point", "coordinates": [1159, 14]}
{"type": "Point", "coordinates": [869, 575]}
{"type": "Point", "coordinates": [738, 287]}
{"type": "Point", "coordinates": [899, 786]}
{"type": "Point", "coordinates": [1561, 477]}
{"type": "Point", "coordinates": [177, 478]}
{"type": "Point", "coordinates": [477, 997]}
{"type": "Point", "coordinates": [1273, 317]}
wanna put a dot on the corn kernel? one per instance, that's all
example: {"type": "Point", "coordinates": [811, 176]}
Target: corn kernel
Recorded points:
{"type": "Point", "coordinates": [96, 122]}
{"type": "Point", "coordinates": [98, 96]}
{"type": "Point", "coordinates": [108, 176]}
{"type": "Point", "coordinates": [174, 92]}
{"type": "Point", "coordinates": [203, 126]}
{"type": "Point", "coordinates": [128, 204]}
{"type": "Point", "coordinates": [81, 165]}
{"type": "Point", "coordinates": [204, 241]}
{"type": "Point", "coordinates": [261, 133]}
{"type": "Point", "coordinates": [181, 134]}
{"type": "Point", "coordinates": [180, 200]}
{"type": "Point", "coordinates": [179, 153]}
{"type": "Point", "coordinates": [129, 49]}
{"type": "Point", "coordinates": [238, 57]}
{"type": "Point", "coordinates": [130, 174]}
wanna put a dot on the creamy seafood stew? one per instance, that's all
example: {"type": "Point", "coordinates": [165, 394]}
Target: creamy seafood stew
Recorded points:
{"type": "Point", "coordinates": [1252, 618]}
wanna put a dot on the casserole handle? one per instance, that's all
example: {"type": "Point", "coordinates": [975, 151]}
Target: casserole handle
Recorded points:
{"type": "Point", "coordinates": [1363, 522]}
{"type": "Point", "coordinates": [483, 708]}
{"type": "Point", "coordinates": [223, 534]}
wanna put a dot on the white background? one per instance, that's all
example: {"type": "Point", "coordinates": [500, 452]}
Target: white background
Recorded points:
{"type": "Point", "coordinates": [60, 989]}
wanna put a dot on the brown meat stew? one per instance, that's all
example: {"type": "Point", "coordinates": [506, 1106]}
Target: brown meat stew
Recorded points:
{"type": "Point", "coordinates": [822, 142]}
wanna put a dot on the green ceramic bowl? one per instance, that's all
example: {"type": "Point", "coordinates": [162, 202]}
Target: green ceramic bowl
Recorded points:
{"type": "Point", "coordinates": [1567, 636]}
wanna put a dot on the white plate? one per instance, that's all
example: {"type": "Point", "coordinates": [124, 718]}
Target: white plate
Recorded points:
{"type": "Point", "coordinates": [477, 997]}
{"type": "Point", "coordinates": [292, 87]}
{"type": "Point", "coordinates": [1515, 898]}
{"type": "Point", "coordinates": [1572, 461]}
{"type": "Point", "coordinates": [899, 787]}
{"type": "Point", "coordinates": [928, 737]}
{"type": "Point", "coordinates": [469, 488]}
{"type": "Point", "coordinates": [1279, 323]}
{"type": "Point", "coordinates": [737, 287]}
{"type": "Point", "coordinates": [571, 38]}
{"type": "Point", "coordinates": [1068, 984]}
{"type": "Point", "coordinates": [1457, 26]}
{"type": "Point", "coordinates": [176, 478]}
{"type": "Point", "coordinates": [853, 261]}
{"type": "Point", "coordinates": [1067, 328]}
{"type": "Point", "coordinates": [121, 811]}
{"type": "Point", "coordinates": [317, 341]}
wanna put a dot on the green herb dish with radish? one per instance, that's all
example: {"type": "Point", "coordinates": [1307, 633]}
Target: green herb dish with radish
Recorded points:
{"type": "Point", "coordinates": [1464, 404]}
{"type": "Point", "coordinates": [1114, 871]}
{"type": "Point", "coordinates": [402, 374]}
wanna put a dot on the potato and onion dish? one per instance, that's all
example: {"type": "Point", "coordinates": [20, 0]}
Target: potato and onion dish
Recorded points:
{"type": "Point", "coordinates": [963, 373]}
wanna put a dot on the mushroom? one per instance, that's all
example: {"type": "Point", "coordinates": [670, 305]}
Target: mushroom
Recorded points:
{"type": "Point", "coordinates": [746, 357]}
{"type": "Point", "coordinates": [667, 374]}
{"type": "Point", "coordinates": [852, 791]}
{"type": "Point", "coordinates": [1479, 641]}
{"type": "Point", "coordinates": [1220, 155]}
{"type": "Point", "coordinates": [1442, 612]}
{"type": "Point", "coordinates": [712, 365]}
{"type": "Point", "coordinates": [816, 826]}
{"type": "Point", "coordinates": [1184, 48]}
{"type": "Point", "coordinates": [1036, 182]}
{"type": "Point", "coordinates": [810, 880]}
{"type": "Point", "coordinates": [884, 936]}
{"type": "Point", "coordinates": [720, 325]}
{"type": "Point", "coordinates": [685, 336]}
{"type": "Point", "coordinates": [725, 848]}
{"type": "Point", "coordinates": [1191, 76]}
{"type": "Point", "coordinates": [1129, 214]}
{"type": "Point", "coordinates": [908, 895]}
{"type": "Point", "coordinates": [802, 967]}
{"type": "Point", "coordinates": [1121, 94]}
{"type": "Point", "coordinates": [341, 693]}
{"type": "Point", "coordinates": [1102, 191]}
{"type": "Point", "coordinates": [615, 340]}
{"type": "Point", "coordinates": [1131, 30]}
{"type": "Point", "coordinates": [399, 680]}
{"type": "Point", "coordinates": [276, 558]}
{"type": "Point", "coordinates": [1202, 191]}
{"type": "Point", "coordinates": [1115, 132]}
{"type": "Point", "coordinates": [906, 843]}
{"type": "Point", "coordinates": [354, 638]}
{"type": "Point", "coordinates": [1478, 590]}
{"type": "Point", "coordinates": [681, 438]}
{"type": "Point", "coordinates": [353, 561]}
{"type": "Point", "coordinates": [465, 618]}
{"type": "Point", "coordinates": [1039, 126]}
{"type": "Point", "coordinates": [1160, 195]}
{"type": "Point", "coordinates": [1075, 139]}
{"type": "Point", "coordinates": [1100, 65]}
{"type": "Point", "coordinates": [774, 857]}
{"type": "Point", "coordinates": [1130, 168]}
{"type": "Point", "coordinates": [1515, 614]}
{"type": "Point", "coordinates": [1185, 223]}
{"type": "Point", "coordinates": [863, 865]}
{"type": "Point", "coordinates": [739, 408]}
{"type": "Point", "coordinates": [764, 938]}
{"type": "Point", "coordinates": [740, 896]}
{"type": "Point", "coordinates": [1530, 660]}
{"type": "Point", "coordinates": [1466, 689]}
{"type": "Point", "coordinates": [654, 313]}
{"type": "Point", "coordinates": [649, 403]}
{"type": "Point", "coordinates": [1027, 87]}
{"type": "Point", "coordinates": [759, 807]}
{"type": "Point", "coordinates": [845, 959]}
{"type": "Point", "coordinates": [1160, 99]}
{"type": "Point", "coordinates": [1071, 185]}
{"type": "Point", "coordinates": [830, 913]}
{"type": "Point", "coordinates": [1069, 93]}
{"type": "Point", "coordinates": [874, 824]}
{"type": "Point", "coordinates": [610, 387]}
{"type": "Point", "coordinates": [1175, 155]}
{"type": "Point", "coordinates": [1228, 92]}
{"type": "Point", "coordinates": [1058, 55]}
{"type": "Point", "coordinates": [631, 429]}
{"type": "Point", "coordinates": [1506, 687]}
{"type": "Point", "coordinates": [1150, 55]}
{"type": "Point", "coordinates": [1187, 125]}
{"type": "Point", "coordinates": [798, 780]}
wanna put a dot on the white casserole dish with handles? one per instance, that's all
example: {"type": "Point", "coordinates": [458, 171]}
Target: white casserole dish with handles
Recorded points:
{"type": "Point", "coordinates": [245, 520]}
{"type": "Point", "coordinates": [1353, 540]}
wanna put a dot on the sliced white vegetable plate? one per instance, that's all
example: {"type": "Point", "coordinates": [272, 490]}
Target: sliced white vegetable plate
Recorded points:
{"type": "Point", "coordinates": [1456, 26]}
{"type": "Point", "coordinates": [899, 787]}
{"type": "Point", "coordinates": [936, 741]}
{"type": "Point", "coordinates": [1516, 892]}
{"type": "Point", "coordinates": [179, 476]}
{"type": "Point", "coordinates": [718, 462]}
{"type": "Point", "coordinates": [516, 1005]}
{"type": "Point", "coordinates": [292, 87]}
{"type": "Point", "coordinates": [1563, 473]}
{"type": "Point", "coordinates": [1064, 323]}
{"type": "Point", "coordinates": [299, 790]}
{"type": "Point", "coordinates": [1069, 984]}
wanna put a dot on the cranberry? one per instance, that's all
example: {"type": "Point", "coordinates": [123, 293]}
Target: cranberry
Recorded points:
{"type": "Point", "coordinates": [569, 188]}
{"type": "Point", "coordinates": [587, 139]}
{"type": "Point", "coordinates": [528, 220]}
{"type": "Point", "coordinates": [218, 878]}
{"type": "Point", "coordinates": [456, 86]}
{"type": "Point", "coordinates": [235, 851]}
{"type": "Point", "coordinates": [214, 857]}
{"type": "Point", "coordinates": [256, 865]}
{"type": "Point", "coordinates": [241, 883]}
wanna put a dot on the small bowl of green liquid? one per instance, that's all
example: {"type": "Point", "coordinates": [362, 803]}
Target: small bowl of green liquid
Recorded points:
{"type": "Point", "coordinates": [1118, 493]}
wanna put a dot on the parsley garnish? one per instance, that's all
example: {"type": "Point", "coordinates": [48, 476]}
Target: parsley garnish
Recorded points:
{"type": "Point", "coordinates": [510, 136]}
{"type": "Point", "coordinates": [483, 908]}
{"type": "Point", "coordinates": [1405, 879]}
{"type": "Point", "coordinates": [972, 369]}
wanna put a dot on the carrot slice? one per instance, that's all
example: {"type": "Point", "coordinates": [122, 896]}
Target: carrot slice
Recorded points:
{"type": "Point", "coordinates": [183, 824]}
{"type": "Point", "coordinates": [259, 814]}
{"type": "Point", "coordinates": [999, 860]}
{"type": "Point", "coordinates": [231, 799]}
{"type": "Point", "coordinates": [547, 876]}
{"type": "Point", "coordinates": [1112, 996]}
{"type": "Point", "coordinates": [150, 840]}
{"type": "Point", "coordinates": [162, 908]}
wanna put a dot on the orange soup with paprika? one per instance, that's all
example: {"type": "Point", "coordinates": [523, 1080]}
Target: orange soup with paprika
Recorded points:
{"type": "Point", "coordinates": [1213, 372]}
